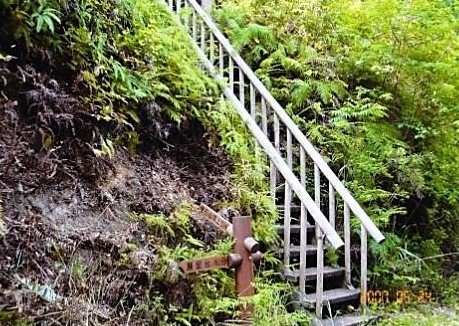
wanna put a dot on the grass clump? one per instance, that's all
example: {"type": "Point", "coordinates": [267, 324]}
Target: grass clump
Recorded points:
{"type": "Point", "coordinates": [422, 316]}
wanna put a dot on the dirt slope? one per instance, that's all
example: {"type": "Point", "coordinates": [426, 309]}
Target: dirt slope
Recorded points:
{"type": "Point", "coordinates": [71, 253]}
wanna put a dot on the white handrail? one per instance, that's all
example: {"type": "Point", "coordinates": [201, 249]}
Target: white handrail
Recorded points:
{"type": "Point", "coordinates": [296, 132]}
{"type": "Point", "coordinates": [277, 159]}
{"type": "Point", "coordinates": [322, 222]}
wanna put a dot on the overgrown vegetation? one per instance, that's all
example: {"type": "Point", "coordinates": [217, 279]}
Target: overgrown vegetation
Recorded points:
{"type": "Point", "coordinates": [374, 85]}
{"type": "Point", "coordinates": [123, 54]}
{"type": "Point", "coordinates": [423, 316]}
{"type": "Point", "coordinates": [92, 93]}
{"type": "Point", "coordinates": [91, 88]}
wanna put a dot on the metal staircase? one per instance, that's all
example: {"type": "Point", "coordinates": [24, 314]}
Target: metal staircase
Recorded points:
{"type": "Point", "coordinates": [315, 206]}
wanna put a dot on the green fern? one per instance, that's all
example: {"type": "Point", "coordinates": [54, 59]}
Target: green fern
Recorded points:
{"type": "Point", "coordinates": [256, 40]}
{"type": "Point", "coordinates": [44, 18]}
{"type": "Point", "coordinates": [359, 112]}
{"type": "Point", "coordinates": [361, 108]}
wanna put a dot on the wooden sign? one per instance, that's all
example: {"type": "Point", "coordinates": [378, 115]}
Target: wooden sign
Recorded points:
{"type": "Point", "coordinates": [204, 264]}
{"type": "Point", "coordinates": [211, 216]}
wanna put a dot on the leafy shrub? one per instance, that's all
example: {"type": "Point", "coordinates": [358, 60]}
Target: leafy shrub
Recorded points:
{"type": "Point", "coordinates": [371, 85]}
{"type": "Point", "coordinates": [123, 55]}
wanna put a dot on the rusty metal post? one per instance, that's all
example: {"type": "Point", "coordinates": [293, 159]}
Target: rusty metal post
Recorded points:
{"type": "Point", "coordinates": [244, 273]}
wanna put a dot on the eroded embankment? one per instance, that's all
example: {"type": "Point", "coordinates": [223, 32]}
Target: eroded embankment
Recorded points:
{"type": "Point", "coordinates": [71, 249]}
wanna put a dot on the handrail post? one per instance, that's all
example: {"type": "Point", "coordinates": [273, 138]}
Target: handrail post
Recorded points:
{"type": "Point", "coordinates": [273, 169]}
{"type": "Point", "coordinates": [320, 249]}
{"type": "Point", "coordinates": [303, 226]}
{"type": "Point", "coordinates": [253, 101]}
{"type": "Point", "coordinates": [211, 47]}
{"type": "Point", "coordinates": [287, 203]}
{"type": "Point", "coordinates": [331, 205]}
{"type": "Point", "coordinates": [264, 117]}
{"type": "Point", "coordinates": [276, 138]}
{"type": "Point", "coordinates": [272, 180]}
{"type": "Point", "coordinates": [203, 37]}
{"type": "Point", "coordinates": [221, 58]}
{"type": "Point", "coordinates": [194, 27]}
{"type": "Point", "coordinates": [347, 245]}
{"type": "Point", "coordinates": [363, 264]}
{"type": "Point", "coordinates": [320, 273]}
{"type": "Point", "coordinates": [231, 73]}
{"type": "Point", "coordinates": [241, 87]}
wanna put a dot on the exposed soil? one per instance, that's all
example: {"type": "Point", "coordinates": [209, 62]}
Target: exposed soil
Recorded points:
{"type": "Point", "coordinates": [67, 211]}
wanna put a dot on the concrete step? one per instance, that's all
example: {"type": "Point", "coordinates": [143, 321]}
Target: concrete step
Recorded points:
{"type": "Point", "coordinates": [334, 296]}
{"type": "Point", "coordinates": [349, 320]}
{"type": "Point", "coordinates": [311, 273]}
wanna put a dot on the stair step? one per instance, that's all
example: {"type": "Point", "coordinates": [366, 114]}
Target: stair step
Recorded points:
{"type": "Point", "coordinates": [311, 273]}
{"type": "Point", "coordinates": [294, 228]}
{"type": "Point", "coordinates": [295, 250]}
{"type": "Point", "coordinates": [344, 321]}
{"type": "Point", "coordinates": [294, 209]}
{"type": "Point", "coordinates": [334, 296]}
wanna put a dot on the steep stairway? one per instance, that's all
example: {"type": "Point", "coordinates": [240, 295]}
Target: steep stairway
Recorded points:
{"type": "Point", "coordinates": [323, 284]}
{"type": "Point", "coordinates": [315, 208]}
{"type": "Point", "coordinates": [337, 295]}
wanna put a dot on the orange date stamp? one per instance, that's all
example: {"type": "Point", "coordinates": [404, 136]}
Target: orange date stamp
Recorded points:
{"type": "Point", "coordinates": [399, 296]}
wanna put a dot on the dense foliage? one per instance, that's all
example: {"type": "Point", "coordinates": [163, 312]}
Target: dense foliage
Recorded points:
{"type": "Point", "coordinates": [124, 55]}
{"type": "Point", "coordinates": [374, 84]}
{"type": "Point", "coordinates": [135, 83]}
